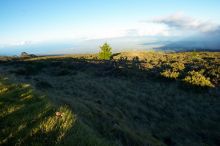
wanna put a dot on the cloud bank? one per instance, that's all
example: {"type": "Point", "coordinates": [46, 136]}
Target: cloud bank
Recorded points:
{"type": "Point", "coordinates": [183, 22]}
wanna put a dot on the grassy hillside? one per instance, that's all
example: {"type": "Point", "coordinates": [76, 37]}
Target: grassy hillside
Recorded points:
{"type": "Point", "coordinates": [30, 119]}
{"type": "Point", "coordinates": [137, 98]}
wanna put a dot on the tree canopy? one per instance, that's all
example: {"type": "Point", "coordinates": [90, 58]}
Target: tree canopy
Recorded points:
{"type": "Point", "coordinates": [105, 52]}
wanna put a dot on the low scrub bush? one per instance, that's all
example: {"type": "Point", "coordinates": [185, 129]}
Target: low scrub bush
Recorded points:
{"type": "Point", "coordinates": [173, 70]}
{"type": "Point", "coordinates": [177, 66]}
{"type": "Point", "coordinates": [170, 74]}
{"type": "Point", "coordinates": [196, 78]}
{"type": "Point", "coordinates": [214, 74]}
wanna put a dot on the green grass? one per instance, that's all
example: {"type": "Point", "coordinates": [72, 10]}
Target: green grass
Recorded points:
{"type": "Point", "coordinates": [126, 101]}
{"type": "Point", "coordinates": [29, 119]}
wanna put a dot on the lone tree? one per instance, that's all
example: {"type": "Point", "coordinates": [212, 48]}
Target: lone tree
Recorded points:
{"type": "Point", "coordinates": [105, 52]}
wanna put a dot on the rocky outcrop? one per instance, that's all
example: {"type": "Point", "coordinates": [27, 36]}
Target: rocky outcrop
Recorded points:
{"type": "Point", "coordinates": [25, 55]}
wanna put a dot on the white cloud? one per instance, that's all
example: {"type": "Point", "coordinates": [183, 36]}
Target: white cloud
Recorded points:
{"type": "Point", "coordinates": [147, 29]}
{"type": "Point", "coordinates": [10, 43]}
{"type": "Point", "coordinates": [182, 22]}
{"type": "Point", "coordinates": [176, 24]}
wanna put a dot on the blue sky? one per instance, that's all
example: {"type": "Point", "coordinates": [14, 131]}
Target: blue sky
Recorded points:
{"type": "Point", "coordinates": [34, 21]}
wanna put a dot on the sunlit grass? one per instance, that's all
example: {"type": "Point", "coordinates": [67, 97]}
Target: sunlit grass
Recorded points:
{"type": "Point", "coordinates": [25, 116]}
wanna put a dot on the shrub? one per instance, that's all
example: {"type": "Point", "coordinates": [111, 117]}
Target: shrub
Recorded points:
{"type": "Point", "coordinates": [170, 74]}
{"type": "Point", "coordinates": [177, 66]}
{"type": "Point", "coordinates": [214, 74]}
{"type": "Point", "coordinates": [105, 52]}
{"type": "Point", "coordinates": [136, 64]}
{"type": "Point", "coordinates": [196, 78]}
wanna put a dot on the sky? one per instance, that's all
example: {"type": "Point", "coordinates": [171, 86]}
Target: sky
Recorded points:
{"type": "Point", "coordinates": [25, 22]}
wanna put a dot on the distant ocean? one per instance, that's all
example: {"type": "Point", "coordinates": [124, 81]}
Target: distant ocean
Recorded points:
{"type": "Point", "coordinates": [78, 47]}
{"type": "Point", "coordinates": [118, 45]}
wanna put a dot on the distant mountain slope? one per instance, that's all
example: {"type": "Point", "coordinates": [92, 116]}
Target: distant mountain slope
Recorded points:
{"type": "Point", "coordinates": [204, 41]}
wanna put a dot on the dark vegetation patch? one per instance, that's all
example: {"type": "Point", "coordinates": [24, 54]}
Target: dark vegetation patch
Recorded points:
{"type": "Point", "coordinates": [27, 68]}
{"type": "Point", "coordinates": [43, 85]}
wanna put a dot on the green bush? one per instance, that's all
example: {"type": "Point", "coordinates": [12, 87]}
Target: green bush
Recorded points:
{"type": "Point", "coordinates": [172, 70]}
{"type": "Point", "coordinates": [170, 74]}
{"type": "Point", "coordinates": [105, 52]}
{"type": "Point", "coordinates": [214, 74]}
{"type": "Point", "coordinates": [196, 78]}
{"type": "Point", "coordinates": [177, 66]}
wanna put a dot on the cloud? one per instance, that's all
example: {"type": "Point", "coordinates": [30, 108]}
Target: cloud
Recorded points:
{"type": "Point", "coordinates": [146, 29]}
{"type": "Point", "coordinates": [10, 43]}
{"type": "Point", "coordinates": [183, 22]}
{"type": "Point", "coordinates": [132, 32]}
